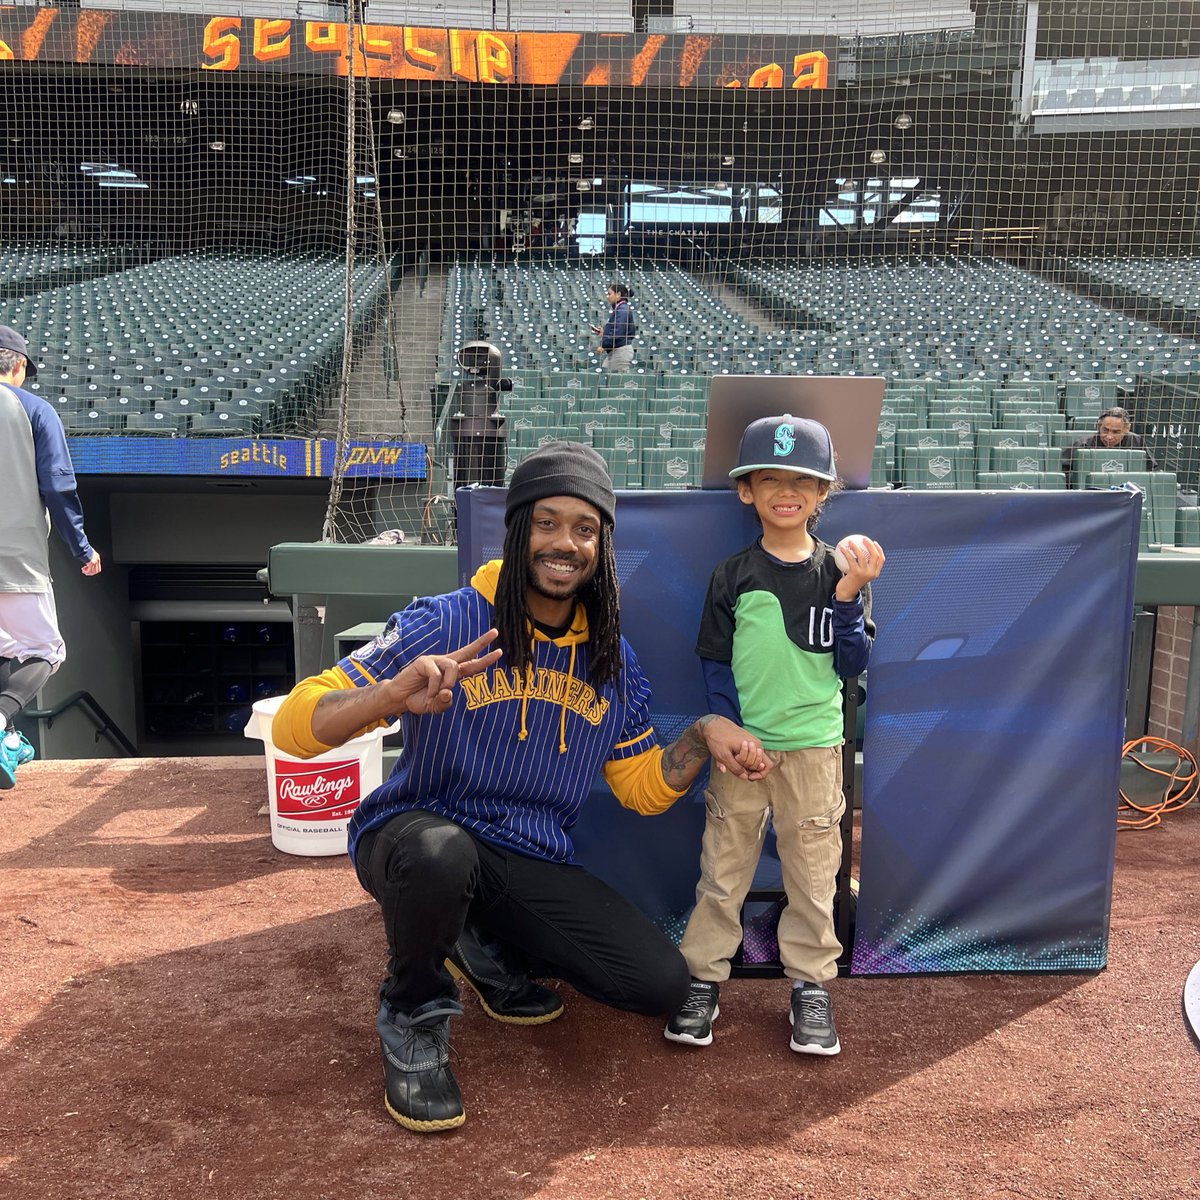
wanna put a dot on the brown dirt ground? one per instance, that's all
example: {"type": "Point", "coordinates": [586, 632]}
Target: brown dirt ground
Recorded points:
{"type": "Point", "coordinates": [187, 1012]}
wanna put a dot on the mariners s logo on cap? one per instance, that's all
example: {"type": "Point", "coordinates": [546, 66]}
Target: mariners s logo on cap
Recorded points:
{"type": "Point", "coordinates": [785, 440]}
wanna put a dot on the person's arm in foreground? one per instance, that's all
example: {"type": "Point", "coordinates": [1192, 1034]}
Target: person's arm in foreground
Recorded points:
{"type": "Point", "coordinates": [425, 686]}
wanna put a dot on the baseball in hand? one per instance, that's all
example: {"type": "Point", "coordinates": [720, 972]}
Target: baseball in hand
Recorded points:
{"type": "Point", "coordinates": [849, 548]}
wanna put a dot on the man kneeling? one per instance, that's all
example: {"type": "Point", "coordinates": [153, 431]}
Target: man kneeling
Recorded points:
{"type": "Point", "coordinates": [467, 845]}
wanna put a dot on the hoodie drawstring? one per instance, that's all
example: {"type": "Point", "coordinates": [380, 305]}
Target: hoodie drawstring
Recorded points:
{"type": "Point", "coordinates": [562, 716]}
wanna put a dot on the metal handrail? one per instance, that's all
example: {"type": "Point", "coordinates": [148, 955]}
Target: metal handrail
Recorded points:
{"type": "Point", "coordinates": [85, 700]}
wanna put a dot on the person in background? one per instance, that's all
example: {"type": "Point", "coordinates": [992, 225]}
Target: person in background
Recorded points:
{"type": "Point", "coordinates": [616, 338]}
{"type": "Point", "coordinates": [1112, 433]}
{"type": "Point", "coordinates": [467, 846]}
{"type": "Point", "coordinates": [39, 492]}
{"type": "Point", "coordinates": [783, 624]}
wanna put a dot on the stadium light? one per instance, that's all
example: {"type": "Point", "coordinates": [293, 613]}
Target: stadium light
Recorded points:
{"type": "Point", "coordinates": [216, 147]}
{"type": "Point", "coordinates": [575, 158]}
{"type": "Point", "coordinates": [877, 157]}
{"type": "Point", "coordinates": [903, 121]}
{"type": "Point", "coordinates": [395, 116]}
{"type": "Point", "coordinates": [586, 123]}
{"type": "Point", "coordinates": [727, 160]}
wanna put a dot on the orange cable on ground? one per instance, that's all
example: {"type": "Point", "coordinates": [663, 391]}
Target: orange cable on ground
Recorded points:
{"type": "Point", "coordinates": [1183, 783]}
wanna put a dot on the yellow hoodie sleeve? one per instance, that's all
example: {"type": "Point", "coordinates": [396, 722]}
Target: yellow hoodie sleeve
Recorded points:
{"type": "Point", "coordinates": [638, 783]}
{"type": "Point", "coordinates": [291, 729]}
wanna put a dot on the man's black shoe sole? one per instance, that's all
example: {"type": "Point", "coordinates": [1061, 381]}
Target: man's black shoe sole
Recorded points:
{"type": "Point", "coordinates": [540, 1019]}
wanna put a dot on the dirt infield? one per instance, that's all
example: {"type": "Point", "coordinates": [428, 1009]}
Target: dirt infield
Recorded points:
{"type": "Point", "coordinates": [188, 1013]}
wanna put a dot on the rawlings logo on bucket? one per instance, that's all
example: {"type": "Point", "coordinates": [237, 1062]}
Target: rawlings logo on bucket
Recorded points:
{"type": "Point", "coordinates": [328, 791]}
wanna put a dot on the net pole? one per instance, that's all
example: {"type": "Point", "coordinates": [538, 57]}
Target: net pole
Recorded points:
{"type": "Point", "coordinates": [337, 475]}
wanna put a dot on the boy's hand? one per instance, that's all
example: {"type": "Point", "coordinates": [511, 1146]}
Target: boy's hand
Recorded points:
{"type": "Point", "coordinates": [733, 749]}
{"type": "Point", "coordinates": [864, 562]}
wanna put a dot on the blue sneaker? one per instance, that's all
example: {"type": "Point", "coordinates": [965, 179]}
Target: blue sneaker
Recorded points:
{"type": "Point", "coordinates": [15, 751]}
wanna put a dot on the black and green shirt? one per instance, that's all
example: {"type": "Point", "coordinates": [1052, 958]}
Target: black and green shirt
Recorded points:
{"type": "Point", "coordinates": [776, 645]}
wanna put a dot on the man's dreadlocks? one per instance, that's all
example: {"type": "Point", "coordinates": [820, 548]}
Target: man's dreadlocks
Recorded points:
{"type": "Point", "coordinates": [599, 599]}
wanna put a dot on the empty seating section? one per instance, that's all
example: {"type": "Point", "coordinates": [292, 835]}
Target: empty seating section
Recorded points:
{"type": "Point", "coordinates": [253, 341]}
{"type": "Point", "coordinates": [990, 371]}
{"type": "Point", "coordinates": [1171, 281]}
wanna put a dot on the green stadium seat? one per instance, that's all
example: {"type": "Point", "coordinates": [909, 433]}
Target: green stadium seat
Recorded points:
{"type": "Point", "coordinates": [988, 439]}
{"type": "Point", "coordinates": [90, 421]}
{"type": "Point", "coordinates": [962, 427]}
{"type": "Point", "coordinates": [1025, 459]}
{"type": "Point", "coordinates": [1043, 424]}
{"type": "Point", "coordinates": [120, 406]}
{"type": "Point", "coordinates": [688, 437]}
{"type": "Point", "coordinates": [1159, 500]}
{"type": "Point", "coordinates": [162, 424]}
{"type": "Point", "coordinates": [1098, 461]}
{"type": "Point", "coordinates": [921, 438]}
{"type": "Point", "coordinates": [1187, 527]}
{"type": "Point", "coordinates": [669, 468]}
{"type": "Point", "coordinates": [657, 428]}
{"type": "Point", "coordinates": [891, 425]}
{"type": "Point", "coordinates": [219, 424]}
{"type": "Point", "coordinates": [527, 385]}
{"type": "Point", "coordinates": [1085, 399]}
{"type": "Point", "coordinates": [682, 387]}
{"type": "Point", "coordinates": [883, 464]}
{"type": "Point", "coordinates": [938, 467]}
{"type": "Point", "coordinates": [1026, 481]}
{"type": "Point", "coordinates": [580, 383]}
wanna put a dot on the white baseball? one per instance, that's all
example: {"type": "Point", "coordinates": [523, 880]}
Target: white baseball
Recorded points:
{"type": "Point", "coordinates": [853, 544]}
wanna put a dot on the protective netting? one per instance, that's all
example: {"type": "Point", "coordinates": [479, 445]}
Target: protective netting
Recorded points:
{"type": "Point", "coordinates": [234, 244]}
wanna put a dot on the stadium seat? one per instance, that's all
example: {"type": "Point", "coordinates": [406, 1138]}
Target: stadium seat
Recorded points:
{"type": "Point", "coordinates": [988, 439]}
{"type": "Point", "coordinates": [219, 424]}
{"type": "Point", "coordinates": [1042, 424]}
{"type": "Point", "coordinates": [89, 421]}
{"type": "Point", "coordinates": [1101, 461]}
{"type": "Point", "coordinates": [938, 467]}
{"type": "Point", "coordinates": [1187, 526]}
{"type": "Point", "coordinates": [665, 467]}
{"type": "Point", "coordinates": [1025, 459]}
{"type": "Point", "coordinates": [1026, 481]}
{"type": "Point", "coordinates": [162, 424]}
{"type": "Point", "coordinates": [1159, 502]}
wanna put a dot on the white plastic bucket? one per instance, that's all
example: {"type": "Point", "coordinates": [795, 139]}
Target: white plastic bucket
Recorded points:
{"type": "Point", "coordinates": [312, 799]}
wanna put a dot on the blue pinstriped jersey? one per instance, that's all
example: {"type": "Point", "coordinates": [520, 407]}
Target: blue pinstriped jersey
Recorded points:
{"type": "Point", "coordinates": [470, 763]}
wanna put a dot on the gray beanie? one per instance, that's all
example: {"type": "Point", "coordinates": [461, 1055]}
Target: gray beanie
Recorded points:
{"type": "Point", "coordinates": [562, 469]}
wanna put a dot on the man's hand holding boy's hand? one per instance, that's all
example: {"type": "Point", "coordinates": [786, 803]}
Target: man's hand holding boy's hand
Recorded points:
{"type": "Point", "coordinates": [733, 749]}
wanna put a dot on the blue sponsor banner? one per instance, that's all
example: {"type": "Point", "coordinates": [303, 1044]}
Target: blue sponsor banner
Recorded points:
{"type": "Point", "coordinates": [994, 714]}
{"type": "Point", "coordinates": [284, 458]}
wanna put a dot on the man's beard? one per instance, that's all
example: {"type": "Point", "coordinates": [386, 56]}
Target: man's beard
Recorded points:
{"type": "Point", "coordinates": [570, 590]}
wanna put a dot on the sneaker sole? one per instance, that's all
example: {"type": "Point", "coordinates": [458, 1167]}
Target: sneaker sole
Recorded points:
{"type": "Point", "coordinates": [7, 780]}
{"type": "Point", "coordinates": [541, 1019]}
{"type": "Point", "coordinates": [813, 1048]}
{"type": "Point", "coordinates": [686, 1039]}
{"type": "Point", "coordinates": [423, 1126]}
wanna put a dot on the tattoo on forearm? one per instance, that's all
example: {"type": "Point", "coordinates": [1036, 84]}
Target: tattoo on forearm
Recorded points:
{"type": "Point", "coordinates": [682, 760]}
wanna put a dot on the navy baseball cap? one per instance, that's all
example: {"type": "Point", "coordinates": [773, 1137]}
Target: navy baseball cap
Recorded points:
{"type": "Point", "coordinates": [786, 443]}
{"type": "Point", "coordinates": [10, 339]}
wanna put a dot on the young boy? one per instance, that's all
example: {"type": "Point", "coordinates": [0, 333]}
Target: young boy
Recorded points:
{"type": "Point", "coordinates": [782, 627]}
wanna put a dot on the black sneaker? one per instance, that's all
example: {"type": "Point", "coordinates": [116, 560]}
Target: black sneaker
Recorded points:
{"type": "Point", "coordinates": [812, 1021]}
{"type": "Point", "coordinates": [420, 1090]}
{"type": "Point", "coordinates": [506, 993]}
{"type": "Point", "coordinates": [692, 1024]}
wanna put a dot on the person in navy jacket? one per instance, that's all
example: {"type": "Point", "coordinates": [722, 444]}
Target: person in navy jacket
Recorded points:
{"type": "Point", "coordinates": [39, 485]}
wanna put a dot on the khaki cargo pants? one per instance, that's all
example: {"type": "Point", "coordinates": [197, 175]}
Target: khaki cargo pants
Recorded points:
{"type": "Point", "coordinates": [802, 797]}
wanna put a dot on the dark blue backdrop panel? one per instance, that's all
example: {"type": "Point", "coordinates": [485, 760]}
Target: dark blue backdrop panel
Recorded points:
{"type": "Point", "coordinates": [994, 718]}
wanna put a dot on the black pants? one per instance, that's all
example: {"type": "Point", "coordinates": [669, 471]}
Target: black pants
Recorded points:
{"type": "Point", "coordinates": [430, 876]}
